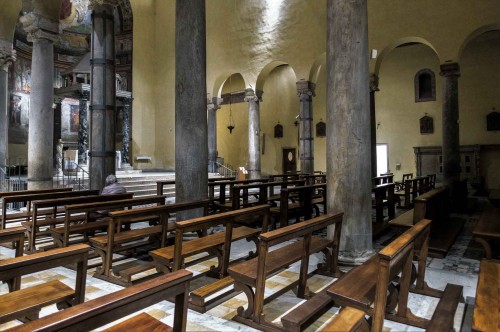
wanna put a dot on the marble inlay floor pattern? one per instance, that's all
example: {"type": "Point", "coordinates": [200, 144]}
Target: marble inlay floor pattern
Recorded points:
{"type": "Point", "coordinates": [455, 268]}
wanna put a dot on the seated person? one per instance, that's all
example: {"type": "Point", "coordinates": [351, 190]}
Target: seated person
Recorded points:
{"type": "Point", "coordinates": [113, 187]}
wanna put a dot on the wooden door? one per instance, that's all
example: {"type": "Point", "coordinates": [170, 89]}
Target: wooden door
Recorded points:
{"type": "Point", "coordinates": [289, 160]}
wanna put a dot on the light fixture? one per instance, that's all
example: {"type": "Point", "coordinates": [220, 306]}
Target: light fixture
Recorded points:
{"type": "Point", "coordinates": [230, 124]}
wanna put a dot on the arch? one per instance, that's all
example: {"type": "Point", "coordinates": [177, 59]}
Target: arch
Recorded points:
{"type": "Point", "coordinates": [10, 15]}
{"type": "Point", "coordinates": [264, 73]}
{"type": "Point", "coordinates": [316, 68]}
{"type": "Point", "coordinates": [475, 34]}
{"type": "Point", "coordinates": [399, 42]}
{"type": "Point", "coordinates": [221, 79]}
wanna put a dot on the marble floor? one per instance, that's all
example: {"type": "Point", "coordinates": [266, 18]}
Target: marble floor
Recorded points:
{"type": "Point", "coordinates": [460, 266]}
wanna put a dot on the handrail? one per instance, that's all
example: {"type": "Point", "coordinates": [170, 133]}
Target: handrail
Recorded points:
{"type": "Point", "coordinates": [227, 170]}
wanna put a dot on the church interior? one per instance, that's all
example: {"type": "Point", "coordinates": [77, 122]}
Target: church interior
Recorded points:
{"type": "Point", "coordinates": [326, 165]}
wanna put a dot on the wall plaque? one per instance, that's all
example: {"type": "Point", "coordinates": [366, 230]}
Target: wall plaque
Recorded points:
{"type": "Point", "coordinates": [321, 129]}
{"type": "Point", "coordinates": [426, 125]}
{"type": "Point", "coordinates": [278, 131]}
{"type": "Point", "coordinates": [493, 121]}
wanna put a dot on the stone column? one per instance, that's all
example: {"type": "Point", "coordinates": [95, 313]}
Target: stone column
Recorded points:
{"type": "Point", "coordinates": [103, 92]}
{"type": "Point", "coordinates": [127, 132]}
{"type": "Point", "coordinates": [42, 32]}
{"type": "Point", "coordinates": [451, 138]}
{"type": "Point", "coordinates": [253, 99]}
{"type": "Point", "coordinates": [57, 132]}
{"type": "Point", "coordinates": [7, 57]}
{"type": "Point", "coordinates": [83, 128]}
{"type": "Point", "coordinates": [212, 107]}
{"type": "Point", "coordinates": [305, 91]}
{"type": "Point", "coordinates": [373, 122]}
{"type": "Point", "coordinates": [191, 149]}
{"type": "Point", "coordinates": [348, 154]}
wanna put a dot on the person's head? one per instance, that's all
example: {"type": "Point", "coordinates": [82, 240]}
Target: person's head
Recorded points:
{"type": "Point", "coordinates": [110, 179]}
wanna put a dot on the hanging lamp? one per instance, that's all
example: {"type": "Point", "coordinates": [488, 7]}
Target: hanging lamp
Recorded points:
{"type": "Point", "coordinates": [230, 124]}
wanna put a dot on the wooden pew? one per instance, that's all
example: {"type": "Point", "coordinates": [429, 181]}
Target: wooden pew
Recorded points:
{"type": "Point", "coordinates": [434, 205]}
{"type": "Point", "coordinates": [33, 191]}
{"type": "Point", "coordinates": [36, 297]}
{"type": "Point", "coordinates": [400, 184]}
{"type": "Point", "coordinates": [487, 230]}
{"type": "Point", "coordinates": [162, 183]}
{"type": "Point", "coordinates": [486, 316]}
{"type": "Point", "coordinates": [227, 185]}
{"type": "Point", "coordinates": [411, 189]}
{"type": "Point", "coordinates": [117, 240]}
{"type": "Point", "coordinates": [218, 244]}
{"type": "Point", "coordinates": [106, 309]}
{"type": "Point", "coordinates": [313, 178]}
{"type": "Point", "coordinates": [28, 198]}
{"type": "Point", "coordinates": [41, 207]}
{"type": "Point", "coordinates": [264, 191]}
{"type": "Point", "coordinates": [299, 202]}
{"type": "Point", "coordinates": [383, 197]}
{"type": "Point", "coordinates": [382, 179]}
{"type": "Point", "coordinates": [252, 274]}
{"type": "Point", "coordinates": [15, 237]}
{"type": "Point", "coordinates": [61, 235]}
{"type": "Point", "coordinates": [290, 176]}
{"type": "Point", "coordinates": [366, 287]}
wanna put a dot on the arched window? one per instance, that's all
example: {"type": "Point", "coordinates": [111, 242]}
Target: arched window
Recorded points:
{"type": "Point", "coordinates": [425, 86]}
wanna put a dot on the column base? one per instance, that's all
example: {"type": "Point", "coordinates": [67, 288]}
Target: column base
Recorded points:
{"type": "Point", "coordinates": [354, 257]}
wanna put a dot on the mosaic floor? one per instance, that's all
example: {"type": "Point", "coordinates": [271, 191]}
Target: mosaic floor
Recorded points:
{"type": "Point", "coordinates": [460, 267]}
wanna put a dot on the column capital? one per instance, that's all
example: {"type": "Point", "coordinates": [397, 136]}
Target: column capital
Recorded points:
{"type": "Point", "coordinates": [306, 87]}
{"type": "Point", "coordinates": [39, 27]}
{"type": "Point", "coordinates": [214, 104]}
{"type": "Point", "coordinates": [374, 83]}
{"type": "Point", "coordinates": [97, 3]}
{"type": "Point", "coordinates": [450, 69]}
{"type": "Point", "coordinates": [7, 54]}
{"type": "Point", "coordinates": [84, 94]}
{"type": "Point", "coordinates": [251, 95]}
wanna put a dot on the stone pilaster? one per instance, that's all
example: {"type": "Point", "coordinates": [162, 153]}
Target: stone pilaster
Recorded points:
{"type": "Point", "coordinates": [103, 93]}
{"type": "Point", "coordinates": [7, 57]}
{"type": "Point", "coordinates": [43, 33]}
{"type": "Point", "coordinates": [83, 128]}
{"type": "Point", "coordinates": [373, 122]}
{"type": "Point", "coordinates": [348, 159]}
{"type": "Point", "coordinates": [451, 138]}
{"type": "Point", "coordinates": [253, 98]}
{"type": "Point", "coordinates": [305, 92]}
{"type": "Point", "coordinates": [191, 148]}
{"type": "Point", "coordinates": [127, 131]}
{"type": "Point", "coordinates": [212, 107]}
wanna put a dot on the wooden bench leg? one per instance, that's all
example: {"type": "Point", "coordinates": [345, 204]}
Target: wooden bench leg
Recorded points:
{"type": "Point", "coordinates": [245, 313]}
{"type": "Point", "coordinates": [486, 246]}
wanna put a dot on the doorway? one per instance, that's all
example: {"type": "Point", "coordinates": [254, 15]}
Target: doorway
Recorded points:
{"type": "Point", "coordinates": [289, 160]}
{"type": "Point", "coordinates": [382, 159]}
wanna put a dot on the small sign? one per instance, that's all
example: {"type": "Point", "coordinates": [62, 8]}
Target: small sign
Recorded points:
{"type": "Point", "coordinates": [493, 121]}
{"type": "Point", "coordinates": [321, 129]}
{"type": "Point", "coordinates": [278, 131]}
{"type": "Point", "coordinates": [426, 125]}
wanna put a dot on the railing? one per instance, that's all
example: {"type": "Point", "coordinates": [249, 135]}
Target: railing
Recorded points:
{"type": "Point", "coordinates": [74, 176]}
{"type": "Point", "coordinates": [224, 170]}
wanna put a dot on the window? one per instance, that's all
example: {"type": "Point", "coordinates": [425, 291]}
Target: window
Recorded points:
{"type": "Point", "coordinates": [425, 86]}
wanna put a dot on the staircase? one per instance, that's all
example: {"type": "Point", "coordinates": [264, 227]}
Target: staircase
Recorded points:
{"type": "Point", "coordinates": [145, 185]}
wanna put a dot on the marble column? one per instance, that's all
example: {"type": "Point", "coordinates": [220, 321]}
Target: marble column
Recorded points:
{"type": "Point", "coordinates": [305, 92]}
{"type": "Point", "coordinates": [42, 32]}
{"type": "Point", "coordinates": [212, 107]}
{"type": "Point", "coordinates": [57, 133]}
{"type": "Point", "coordinates": [7, 57]}
{"type": "Point", "coordinates": [191, 148]}
{"type": "Point", "coordinates": [103, 91]}
{"type": "Point", "coordinates": [127, 132]}
{"type": "Point", "coordinates": [253, 99]}
{"type": "Point", "coordinates": [348, 154]}
{"type": "Point", "coordinates": [451, 138]}
{"type": "Point", "coordinates": [373, 122]}
{"type": "Point", "coordinates": [83, 128]}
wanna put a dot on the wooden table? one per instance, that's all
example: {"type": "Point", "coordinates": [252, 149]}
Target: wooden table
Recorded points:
{"type": "Point", "coordinates": [487, 229]}
{"type": "Point", "coordinates": [486, 315]}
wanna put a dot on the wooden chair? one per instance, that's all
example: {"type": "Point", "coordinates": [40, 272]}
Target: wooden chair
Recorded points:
{"type": "Point", "coordinates": [14, 236]}
{"type": "Point", "coordinates": [106, 309]}
{"type": "Point", "coordinates": [383, 197]}
{"type": "Point", "coordinates": [487, 230]}
{"type": "Point", "coordinates": [36, 297]}
{"type": "Point", "coordinates": [252, 274]}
